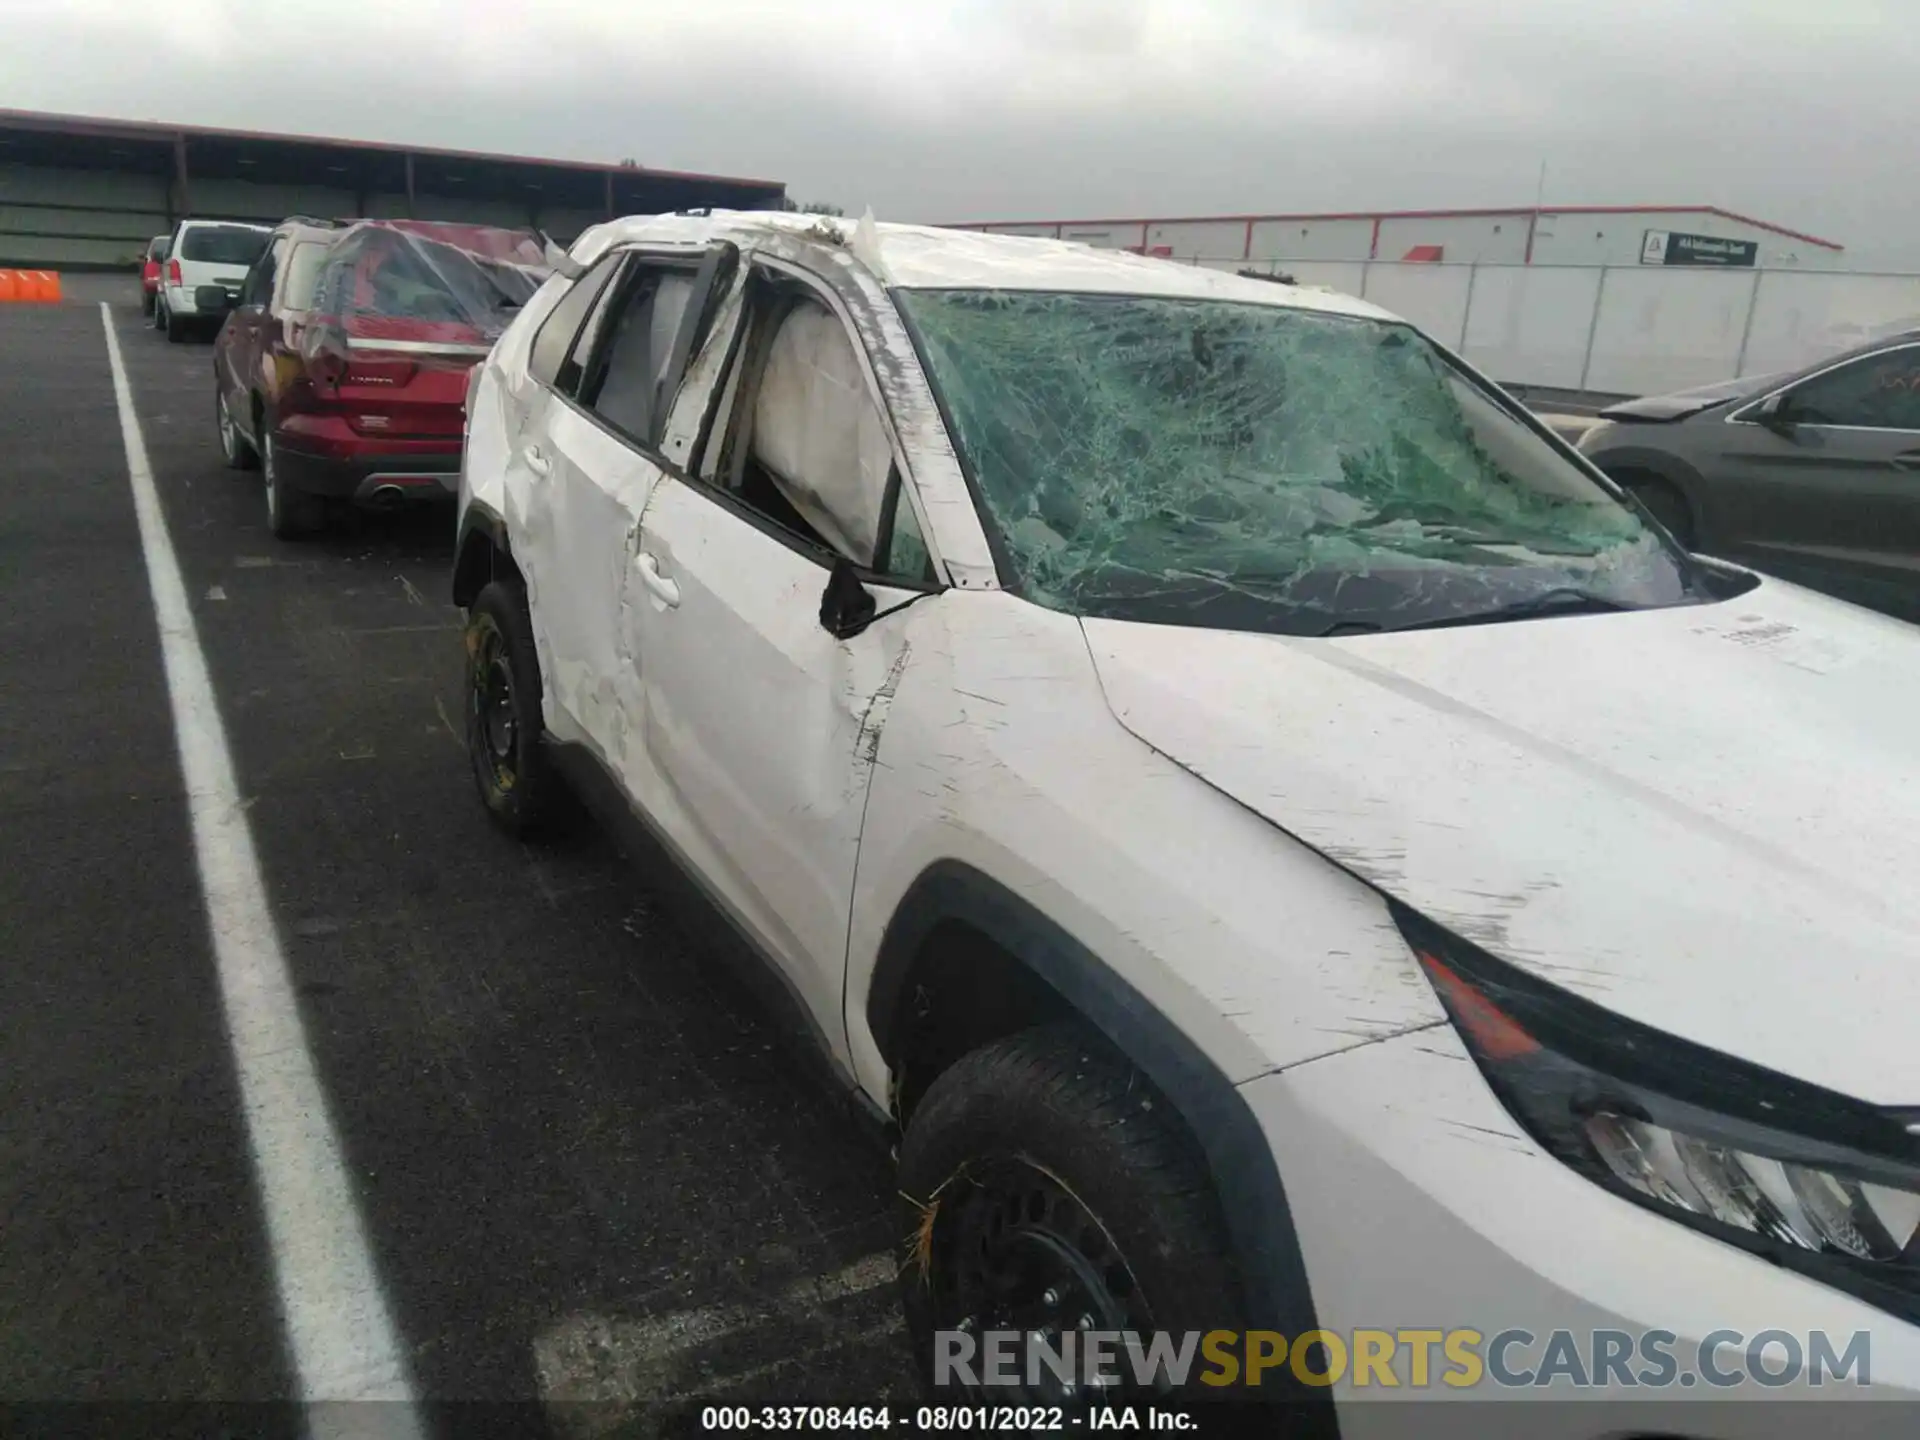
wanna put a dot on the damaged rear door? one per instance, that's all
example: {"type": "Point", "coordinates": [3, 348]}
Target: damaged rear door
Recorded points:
{"type": "Point", "coordinates": [593, 446]}
{"type": "Point", "coordinates": [761, 724]}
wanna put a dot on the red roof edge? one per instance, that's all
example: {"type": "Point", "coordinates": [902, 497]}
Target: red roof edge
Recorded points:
{"type": "Point", "coordinates": [1502, 210]}
{"type": "Point", "coordinates": [1776, 229]}
{"type": "Point", "coordinates": [155, 130]}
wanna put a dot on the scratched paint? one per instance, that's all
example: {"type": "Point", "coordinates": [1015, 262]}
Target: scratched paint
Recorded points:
{"type": "Point", "coordinates": [1631, 806]}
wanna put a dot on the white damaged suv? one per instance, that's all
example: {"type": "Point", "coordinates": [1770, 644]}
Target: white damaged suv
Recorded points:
{"type": "Point", "coordinates": [1289, 845]}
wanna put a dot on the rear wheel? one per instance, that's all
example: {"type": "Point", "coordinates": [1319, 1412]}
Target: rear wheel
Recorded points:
{"type": "Point", "coordinates": [1663, 501]}
{"type": "Point", "coordinates": [504, 726]}
{"type": "Point", "coordinates": [1051, 1189]}
{"type": "Point", "coordinates": [234, 447]}
{"type": "Point", "coordinates": [159, 312]}
{"type": "Point", "coordinates": [175, 327]}
{"type": "Point", "coordinates": [291, 513]}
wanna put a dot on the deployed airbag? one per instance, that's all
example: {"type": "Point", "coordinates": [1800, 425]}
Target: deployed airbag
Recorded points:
{"type": "Point", "coordinates": [817, 432]}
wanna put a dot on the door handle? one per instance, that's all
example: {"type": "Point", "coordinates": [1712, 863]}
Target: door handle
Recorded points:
{"type": "Point", "coordinates": [538, 462]}
{"type": "Point", "coordinates": [658, 585]}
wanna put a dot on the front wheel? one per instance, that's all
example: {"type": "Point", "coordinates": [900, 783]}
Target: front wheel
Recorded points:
{"type": "Point", "coordinates": [504, 725]}
{"type": "Point", "coordinates": [1050, 1189]}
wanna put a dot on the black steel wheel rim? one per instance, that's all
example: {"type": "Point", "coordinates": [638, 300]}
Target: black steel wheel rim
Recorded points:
{"type": "Point", "coordinates": [1013, 1250]}
{"type": "Point", "coordinates": [493, 722]}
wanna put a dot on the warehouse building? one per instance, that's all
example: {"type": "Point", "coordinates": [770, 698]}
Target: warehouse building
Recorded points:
{"type": "Point", "coordinates": [87, 194]}
{"type": "Point", "coordinates": [1585, 235]}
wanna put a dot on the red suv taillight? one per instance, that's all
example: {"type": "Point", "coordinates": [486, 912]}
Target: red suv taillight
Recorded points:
{"type": "Point", "coordinates": [173, 273]}
{"type": "Point", "coordinates": [327, 368]}
{"type": "Point", "coordinates": [324, 352]}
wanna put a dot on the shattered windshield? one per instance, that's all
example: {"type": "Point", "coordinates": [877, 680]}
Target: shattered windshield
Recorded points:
{"type": "Point", "coordinates": [1247, 466]}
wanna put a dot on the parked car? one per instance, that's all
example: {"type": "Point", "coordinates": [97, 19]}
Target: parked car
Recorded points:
{"type": "Point", "coordinates": [1813, 475]}
{"type": "Point", "coordinates": [1284, 844]}
{"type": "Point", "coordinates": [150, 271]}
{"type": "Point", "coordinates": [207, 261]}
{"type": "Point", "coordinates": [343, 370]}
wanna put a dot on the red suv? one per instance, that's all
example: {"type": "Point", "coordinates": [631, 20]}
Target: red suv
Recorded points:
{"type": "Point", "coordinates": [343, 371]}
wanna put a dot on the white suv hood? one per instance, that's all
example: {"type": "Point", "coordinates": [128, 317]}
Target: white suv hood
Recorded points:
{"type": "Point", "coordinates": [1705, 818]}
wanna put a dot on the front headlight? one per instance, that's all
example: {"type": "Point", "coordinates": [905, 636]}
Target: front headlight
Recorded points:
{"type": "Point", "coordinates": [1810, 1179]}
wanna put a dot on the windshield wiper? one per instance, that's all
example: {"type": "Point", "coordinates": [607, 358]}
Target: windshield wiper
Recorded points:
{"type": "Point", "coordinates": [1560, 600]}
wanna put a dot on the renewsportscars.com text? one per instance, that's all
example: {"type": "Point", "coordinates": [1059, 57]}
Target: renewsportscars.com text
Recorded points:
{"type": "Point", "coordinates": [1459, 1359]}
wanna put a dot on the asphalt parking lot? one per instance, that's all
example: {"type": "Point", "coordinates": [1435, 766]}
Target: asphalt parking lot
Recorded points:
{"type": "Point", "coordinates": [590, 1168]}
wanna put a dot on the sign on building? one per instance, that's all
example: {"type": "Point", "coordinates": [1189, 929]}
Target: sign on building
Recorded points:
{"type": "Point", "coordinates": [1665, 247]}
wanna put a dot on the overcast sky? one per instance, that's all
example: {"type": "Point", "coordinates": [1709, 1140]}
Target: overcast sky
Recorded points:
{"type": "Point", "coordinates": [1804, 112]}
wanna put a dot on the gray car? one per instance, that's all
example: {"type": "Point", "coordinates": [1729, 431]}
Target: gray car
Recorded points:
{"type": "Point", "coordinates": [1813, 476]}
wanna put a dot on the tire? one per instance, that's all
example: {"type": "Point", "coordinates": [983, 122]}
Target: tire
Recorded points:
{"type": "Point", "coordinates": [291, 514]}
{"type": "Point", "coordinates": [175, 327]}
{"type": "Point", "coordinates": [234, 447]}
{"type": "Point", "coordinates": [1663, 501]}
{"type": "Point", "coordinates": [159, 313]}
{"type": "Point", "coordinates": [517, 783]}
{"type": "Point", "coordinates": [1049, 1185]}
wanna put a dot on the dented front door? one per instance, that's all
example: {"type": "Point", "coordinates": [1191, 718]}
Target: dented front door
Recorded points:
{"type": "Point", "coordinates": [761, 726]}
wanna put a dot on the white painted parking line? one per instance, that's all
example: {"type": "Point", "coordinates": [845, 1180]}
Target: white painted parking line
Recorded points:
{"type": "Point", "coordinates": [339, 1333]}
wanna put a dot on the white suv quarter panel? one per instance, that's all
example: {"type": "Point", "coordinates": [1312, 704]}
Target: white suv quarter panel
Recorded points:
{"type": "Point", "coordinates": [1000, 753]}
{"type": "Point", "coordinates": [505, 407]}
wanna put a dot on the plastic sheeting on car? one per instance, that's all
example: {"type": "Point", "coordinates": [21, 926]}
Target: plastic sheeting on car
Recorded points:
{"type": "Point", "coordinates": [817, 432]}
{"type": "Point", "coordinates": [420, 283]}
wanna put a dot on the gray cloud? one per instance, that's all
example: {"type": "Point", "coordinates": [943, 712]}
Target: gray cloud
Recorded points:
{"type": "Point", "coordinates": [1071, 108]}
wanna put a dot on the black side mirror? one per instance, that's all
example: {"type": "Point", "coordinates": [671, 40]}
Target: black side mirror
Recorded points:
{"type": "Point", "coordinates": [1776, 413]}
{"type": "Point", "coordinates": [846, 606]}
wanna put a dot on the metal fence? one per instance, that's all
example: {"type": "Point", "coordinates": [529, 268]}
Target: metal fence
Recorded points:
{"type": "Point", "coordinates": [1622, 330]}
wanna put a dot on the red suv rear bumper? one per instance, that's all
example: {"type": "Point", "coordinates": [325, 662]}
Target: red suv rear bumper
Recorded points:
{"type": "Point", "coordinates": [320, 455]}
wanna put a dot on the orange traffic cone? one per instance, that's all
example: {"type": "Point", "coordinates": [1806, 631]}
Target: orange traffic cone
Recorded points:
{"type": "Point", "coordinates": [9, 286]}
{"type": "Point", "coordinates": [50, 287]}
